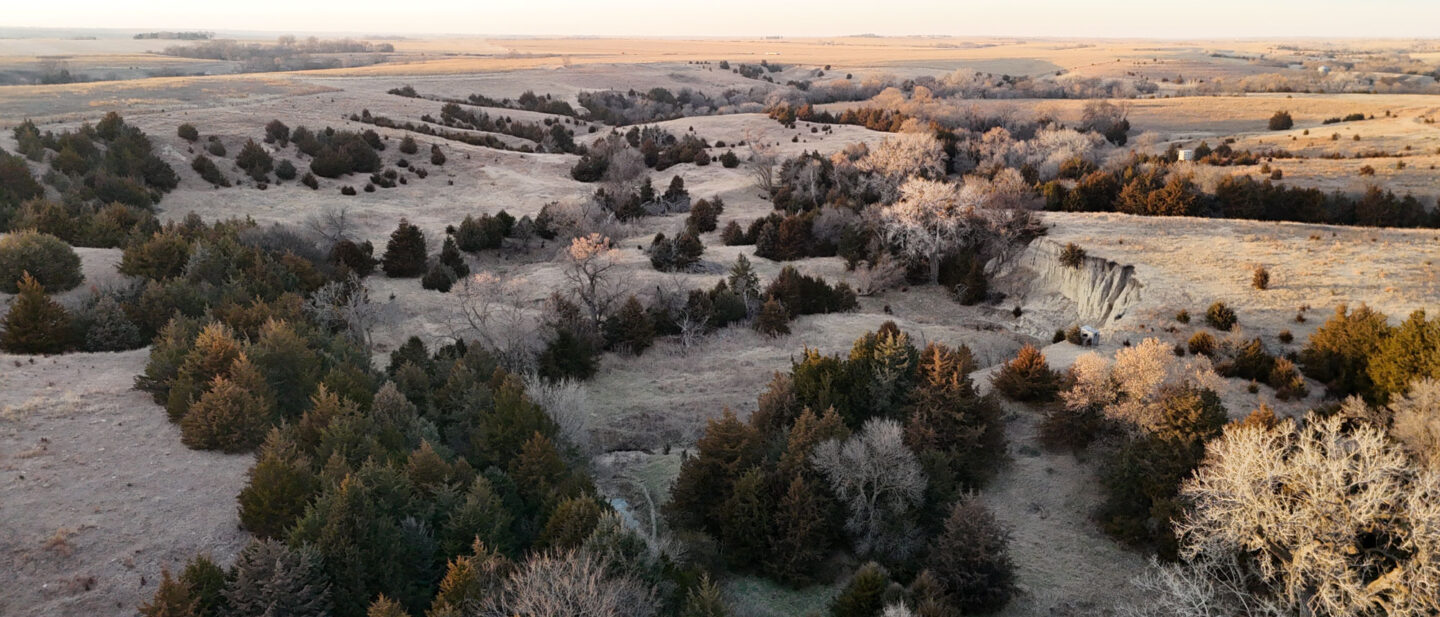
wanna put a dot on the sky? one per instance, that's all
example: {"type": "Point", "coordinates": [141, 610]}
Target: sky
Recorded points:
{"type": "Point", "coordinates": [1069, 18]}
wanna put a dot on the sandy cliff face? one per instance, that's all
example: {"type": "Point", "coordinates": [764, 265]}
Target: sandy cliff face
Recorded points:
{"type": "Point", "coordinates": [1097, 293]}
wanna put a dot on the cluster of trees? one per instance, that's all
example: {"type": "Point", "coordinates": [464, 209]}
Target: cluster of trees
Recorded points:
{"type": "Point", "coordinates": [527, 101]}
{"type": "Point", "coordinates": [108, 162]}
{"type": "Point", "coordinates": [1156, 190]}
{"type": "Point", "coordinates": [286, 54]}
{"type": "Point", "coordinates": [188, 269]}
{"type": "Point", "coordinates": [867, 455]}
{"type": "Point", "coordinates": [485, 140]}
{"type": "Point", "coordinates": [549, 135]}
{"type": "Point", "coordinates": [1357, 352]}
{"type": "Point", "coordinates": [445, 491]}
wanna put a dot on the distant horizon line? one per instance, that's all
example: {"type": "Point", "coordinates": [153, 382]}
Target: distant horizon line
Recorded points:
{"type": "Point", "coordinates": [496, 35]}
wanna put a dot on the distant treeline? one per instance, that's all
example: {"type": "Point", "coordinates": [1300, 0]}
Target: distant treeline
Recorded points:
{"type": "Point", "coordinates": [178, 36]}
{"type": "Point", "coordinates": [286, 54]}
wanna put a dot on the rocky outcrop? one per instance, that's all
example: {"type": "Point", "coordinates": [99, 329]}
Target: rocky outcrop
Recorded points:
{"type": "Point", "coordinates": [1099, 292]}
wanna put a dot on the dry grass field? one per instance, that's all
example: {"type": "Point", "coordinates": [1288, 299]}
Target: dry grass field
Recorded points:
{"type": "Point", "coordinates": [97, 494]}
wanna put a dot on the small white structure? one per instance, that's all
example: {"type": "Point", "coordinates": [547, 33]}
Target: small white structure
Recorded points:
{"type": "Point", "coordinates": [1323, 70]}
{"type": "Point", "coordinates": [1089, 336]}
{"type": "Point", "coordinates": [1187, 155]}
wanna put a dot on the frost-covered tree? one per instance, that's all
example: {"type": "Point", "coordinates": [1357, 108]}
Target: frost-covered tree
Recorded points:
{"type": "Point", "coordinates": [570, 583]}
{"type": "Point", "coordinates": [1416, 421]}
{"type": "Point", "coordinates": [928, 221]}
{"type": "Point", "coordinates": [1332, 518]}
{"type": "Point", "coordinates": [902, 157]}
{"type": "Point", "coordinates": [589, 261]}
{"type": "Point", "coordinates": [881, 483]}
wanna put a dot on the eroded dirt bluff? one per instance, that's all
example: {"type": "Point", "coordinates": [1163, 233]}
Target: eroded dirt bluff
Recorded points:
{"type": "Point", "coordinates": [1098, 292]}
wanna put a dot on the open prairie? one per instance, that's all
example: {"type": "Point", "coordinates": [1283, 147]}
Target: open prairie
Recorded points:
{"type": "Point", "coordinates": [588, 138]}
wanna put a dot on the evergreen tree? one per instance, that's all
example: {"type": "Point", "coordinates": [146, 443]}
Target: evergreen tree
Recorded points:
{"type": "Point", "coordinates": [1027, 377]}
{"type": "Point", "coordinates": [109, 328]}
{"type": "Point", "coordinates": [745, 520]}
{"type": "Point", "coordinates": [232, 415]}
{"type": "Point", "coordinates": [35, 324]}
{"type": "Point", "coordinates": [206, 582]}
{"type": "Point", "coordinates": [688, 250]}
{"type": "Point", "coordinates": [800, 539]}
{"type": "Point", "coordinates": [172, 599]}
{"type": "Point", "coordinates": [270, 578]}
{"type": "Point", "coordinates": [571, 523]}
{"type": "Point", "coordinates": [1339, 353]}
{"type": "Point", "coordinates": [773, 319]}
{"type": "Point", "coordinates": [744, 282]}
{"type": "Point", "coordinates": [290, 367]}
{"type": "Point", "coordinates": [630, 328]}
{"type": "Point", "coordinates": [276, 495]}
{"type": "Point", "coordinates": [1410, 353]}
{"type": "Point", "coordinates": [480, 517]}
{"type": "Point", "coordinates": [704, 600]}
{"type": "Point", "coordinates": [971, 560]}
{"type": "Point", "coordinates": [385, 607]}
{"type": "Point", "coordinates": [727, 448]}
{"type": "Point", "coordinates": [405, 254]}
{"type": "Point", "coordinates": [450, 256]}
{"type": "Point", "coordinates": [439, 278]}
{"type": "Point", "coordinates": [863, 596]}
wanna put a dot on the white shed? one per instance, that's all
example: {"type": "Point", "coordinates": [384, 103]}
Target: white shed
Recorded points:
{"type": "Point", "coordinates": [1089, 336]}
{"type": "Point", "coordinates": [1187, 155]}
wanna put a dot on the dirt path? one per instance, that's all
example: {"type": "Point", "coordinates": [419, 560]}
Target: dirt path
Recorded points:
{"type": "Point", "coordinates": [97, 493]}
{"type": "Point", "coordinates": [1066, 564]}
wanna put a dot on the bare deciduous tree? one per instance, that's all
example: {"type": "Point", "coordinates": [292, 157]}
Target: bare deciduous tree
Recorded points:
{"type": "Point", "coordinates": [1333, 518]}
{"type": "Point", "coordinates": [763, 159]}
{"type": "Point", "coordinates": [346, 303]}
{"type": "Point", "coordinates": [493, 311]}
{"type": "Point", "coordinates": [1417, 421]}
{"type": "Point", "coordinates": [589, 260]}
{"type": "Point", "coordinates": [572, 584]}
{"type": "Point", "coordinates": [567, 402]}
{"type": "Point", "coordinates": [1206, 587]}
{"type": "Point", "coordinates": [901, 157]}
{"type": "Point", "coordinates": [929, 221]}
{"type": "Point", "coordinates": [881, 483]}
{"type": "Point", "coordinates": [331, 224]}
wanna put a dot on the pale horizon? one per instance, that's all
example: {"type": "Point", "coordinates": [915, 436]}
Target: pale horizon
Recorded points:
{"type": "Point", "coordinates": [1111, 19]}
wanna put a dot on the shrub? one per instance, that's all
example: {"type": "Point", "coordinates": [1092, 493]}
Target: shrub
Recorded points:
{"type": "Point", "coordinates": [276, 495]}
{"type": "Point", "coordinates": [309, 180]}
{"type": "Point", "coordinates": [1072, 255]}
{"type": "Point", "coordinates": [405, 254]}
{"type": "Point", "coordinates": [52, 263]}
{"type": "Point", "coordinates": [1074, 336]}
{"type": "Point", "coordinates": [807, 295]}
{"type": "Point", "coordinates": [188, 132]}
{"type": "Point", "coordinates": [1367, 170]}
{"type": "Point", "coordinates": [347, 190]}
{"type": "Point", "coordinates": [1027, 377]}
{"type": "Point", "coordinates": [285, 170]}
{"type": "Point", "coordinates": [1201, 343]}
{"type": "Point", "coordinates": [863, 595]}
{"type": "Point", "coordinates": [408, 145]}
{"type": "Point", "coordinates": [208, 171]}
{"type": "Point", "coordinates": [568, 356]}
{"type": "Point", "coordinates": [630, 329]}
{"type": "Point", "coordinates": [729, 160]}
{"type": "Point", "coordinates": [773, 320]}
{"type": "Point", "coordinates": [270, 578]}
{"type": "Point", "coordinates": [1281, 121]}
{"type": "Point", "coordinates": [1183, 316]}
{"type": "Point", "coordinates": [232, 416]}
{"type": "Point", "coordinates": [732, 235]}
{"type": "Point", "coordinates": [108, 328]}
{"type": "Point", "coordinates": [704, 214]}
{"type": "Point", "coordinates": [215, 148]}
{"type": "Point", "coordinates": [1260, 279]}
{"type": "Point", "coordinates": [160, 257]}
{"type": "Point", "coordinates": [35, 324]}
{"type": "Point", "coordinates": [971, 559]}
{"type": "Point", "coordinates": [358, 258]}
{"type": "Point", "coordinates": [276, 130]}
{"type": "Point", "coordinates": [1220, 316]}
{"type": "Point", "coordinates": [439, 278]}
{"type": "Point", "coordinates": [437, 157]}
